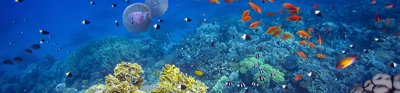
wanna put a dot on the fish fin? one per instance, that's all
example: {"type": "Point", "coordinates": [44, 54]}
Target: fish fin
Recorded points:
{"type": "Point", "coordinates": [298, 10]}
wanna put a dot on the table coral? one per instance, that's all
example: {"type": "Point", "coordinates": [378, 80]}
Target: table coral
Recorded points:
{"type": "Point", "coordinates": [173, 81]}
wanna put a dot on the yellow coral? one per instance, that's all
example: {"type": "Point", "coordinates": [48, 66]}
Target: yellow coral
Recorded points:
{"type": "Point", "coordinates": [126, 79]}
{"type": "Point", "coordinates": [173, 81]}
{"type": "Point", "coordinates": [198, 73]}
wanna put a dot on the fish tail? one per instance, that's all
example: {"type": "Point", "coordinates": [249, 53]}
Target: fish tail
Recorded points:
{"type": "Point", "coordinates": [298, 10]}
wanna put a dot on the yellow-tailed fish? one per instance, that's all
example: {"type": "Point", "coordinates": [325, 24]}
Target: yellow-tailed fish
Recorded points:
{"type": "Point", "coordinates": [345, 62]}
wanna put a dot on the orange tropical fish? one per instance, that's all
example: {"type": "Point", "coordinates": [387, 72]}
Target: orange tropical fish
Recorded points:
{"type": "Point", "coordinates": [389, 6]}
{"type": "Point", "coordinates": [310, 30]}
{"type": "Point", "coordinates": [246, 13]}
{"type": "Point", "coordinates": [287, 36]}
{"type": "Point", "coordinates": [272, 29]}
{"type": "Point", "coordinates": [345, 62]}
{"type": "Point", "coordinates": [319, 39]}
{"type": "Point", "coordinates": [255, 7]}
{"type": "Point", "coordinates": [298, 77]}
{"type": "Point", "coordinates": [283, 11]}
{"type": "Point", "coordinates": [303, 34]}
{"type": "Point", "coordinates": [271, 14]}
{"type": "Point", "coordinates": [229, 1]}
{"type": "Point", "coordinates": [311, 45]}
{"type": "Point", "coordinates": [377, 18]}
{"type": "Point", "coordinates": [302, 55]}
{"type": "Point", "coordinates": [277, 33]}
{"type": "Point", "coordinates": [215, 1]}
{"type": "Point", "coordinates": [246, 16]}
{"type": "Point", "coordinates": [321, 56]}
{"type": "Point", "coordinates": [293, 12]}
{"type": "Point", "coordinates": [289, 6]}
{"type": "Point", "coordinates": [315, 7]}
{"type": "Point", "coordinates": [255, 24]}
{"type": "Point", "coordinates": [295, 18]}
{"type": "Point", "coordinates": [303, 42]}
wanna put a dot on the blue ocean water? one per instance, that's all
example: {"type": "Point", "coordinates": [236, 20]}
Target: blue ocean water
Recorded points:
{"type": "Point", "coordinates": [212, 43]}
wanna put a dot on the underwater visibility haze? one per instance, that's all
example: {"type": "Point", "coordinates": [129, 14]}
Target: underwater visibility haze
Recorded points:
{"type": "Point", "coordinates": [200, 46]}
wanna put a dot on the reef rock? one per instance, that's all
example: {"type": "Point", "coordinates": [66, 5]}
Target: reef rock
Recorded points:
{"type": "Point", "coordinates": [60, 87]}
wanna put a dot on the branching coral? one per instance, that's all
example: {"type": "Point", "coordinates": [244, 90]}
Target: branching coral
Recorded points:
{"type": "Point", "coordinates": [126, 79]}
{"type": "Point", "coordinates": [173, 81]}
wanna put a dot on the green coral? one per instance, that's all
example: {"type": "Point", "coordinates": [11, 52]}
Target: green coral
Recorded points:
{"type": "Point", "coordinates": [220, 85]}
{"type": "Point", "coordinates": [248, 63]}
{"type": "Point", "coordinates": [278, 76]}
{"type": "Point", "coordinates": [126, 79]}
{"type": "Point", "coordinates": [174, 81]}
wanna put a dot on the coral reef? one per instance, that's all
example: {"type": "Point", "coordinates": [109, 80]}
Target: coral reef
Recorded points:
{"type": "Point", "coordinates": [173, 81]}
{"type": "Point", "coordinates": [217, 51]}
{"type": "Point", "coordinates": [220, 85]}
{"type": "Point", "coordinates": [98, 88]}
{"type": "Point", "coordinates": [380, 83]}
{"type": "Point", "coordinates": [60, 87]}
{"type": "Point", "coordinates": [106, 54]}
{"type": "Point", "coordinates": [126, 79]}
{"type": "Point", "coordinates": [248, 63]}
{"type": "Point", "coordinates": [270, 73]}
